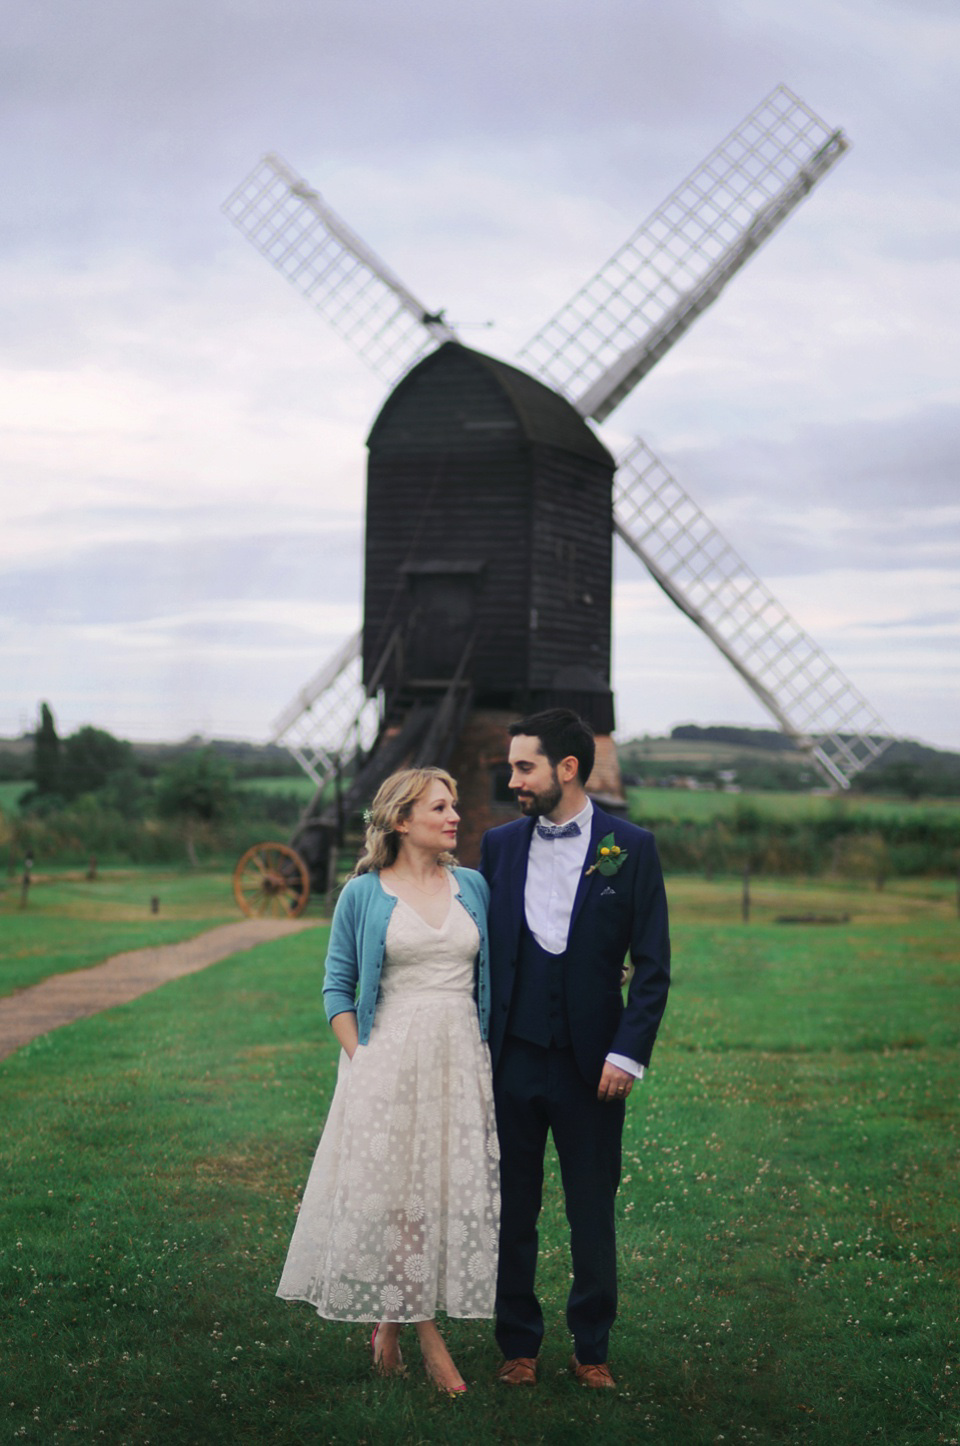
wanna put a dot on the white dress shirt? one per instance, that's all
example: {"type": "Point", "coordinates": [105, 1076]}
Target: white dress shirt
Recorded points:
{"type": "Point", "coordinates": [554, 869]}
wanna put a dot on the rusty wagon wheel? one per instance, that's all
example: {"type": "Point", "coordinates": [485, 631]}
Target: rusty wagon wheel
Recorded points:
{"type": "Point", "coordinates": [271, 880]}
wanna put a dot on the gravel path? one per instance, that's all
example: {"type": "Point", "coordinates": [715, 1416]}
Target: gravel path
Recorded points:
{"type": "Point", "coordinates": [65, 997]}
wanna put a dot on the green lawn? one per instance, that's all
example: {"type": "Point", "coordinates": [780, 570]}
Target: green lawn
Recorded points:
{"type": "Point", "coordinates": [789, 1229]}
{"type": "Point", "coordinates": [71, 922]}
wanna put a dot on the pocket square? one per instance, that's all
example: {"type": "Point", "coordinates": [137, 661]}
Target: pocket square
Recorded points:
{"type": "Point", "coordinates": [607, 891]}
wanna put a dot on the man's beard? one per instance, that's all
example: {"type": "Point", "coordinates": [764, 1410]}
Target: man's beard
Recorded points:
{"type": "Point", "coordinates": [536, 805]}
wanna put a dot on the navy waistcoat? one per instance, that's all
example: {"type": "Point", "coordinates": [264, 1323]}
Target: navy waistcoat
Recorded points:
{"type": "Point", "coordinates": [538, 1012]}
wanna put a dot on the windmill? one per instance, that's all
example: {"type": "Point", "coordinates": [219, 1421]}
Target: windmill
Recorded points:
{"type": "Point", "coordinates": [388, 690]}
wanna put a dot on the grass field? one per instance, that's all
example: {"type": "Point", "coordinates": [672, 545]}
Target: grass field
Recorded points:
{"type": "Point", "coordinates": [299, 787]}
{"type": "Point", "coordinates": [71, 922]}
{"type": "Point", "coordinates": [650, 806]}
{"type": "Point", "coordinates": [788, 1222]}
{"type": "Point", "coordinates": [11, 794]}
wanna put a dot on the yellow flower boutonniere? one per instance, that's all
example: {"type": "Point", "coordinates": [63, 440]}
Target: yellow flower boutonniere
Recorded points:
{"type": "Point", "coordinates": [610, 857]}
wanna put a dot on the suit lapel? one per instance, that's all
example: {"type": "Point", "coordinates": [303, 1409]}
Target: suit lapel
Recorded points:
{"type": "Point", "coordinates": [517, 858]}
{"type": "Point", "coordinates": [600, 825]}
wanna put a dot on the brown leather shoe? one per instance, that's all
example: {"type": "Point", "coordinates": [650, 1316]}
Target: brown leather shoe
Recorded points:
{"type": "Point", "coordinates": [520, 1371]}
{"type": "Point", "coordinates": [596, 1376]}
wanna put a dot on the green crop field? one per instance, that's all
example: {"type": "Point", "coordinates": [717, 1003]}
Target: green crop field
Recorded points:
{"type": "Point", "coordinates": [650, 806]}
{"type": "Point", "coordinates": [789, 1230]}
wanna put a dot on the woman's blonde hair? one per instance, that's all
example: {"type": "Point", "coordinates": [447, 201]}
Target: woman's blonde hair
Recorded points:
{"type": "Point", "coordinates": [392, 804]}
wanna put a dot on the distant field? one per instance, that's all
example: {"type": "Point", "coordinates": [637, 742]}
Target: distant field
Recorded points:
{"type": "Point", "coordinates": [11, 794]}
{"type": "Point", "coordinates": [680, 805]}
{"type": "Point", "coordinates": [300, 786]}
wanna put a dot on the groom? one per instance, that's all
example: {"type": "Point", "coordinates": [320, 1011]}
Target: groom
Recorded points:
{"type": "Point", "coordinates": [573, 890]}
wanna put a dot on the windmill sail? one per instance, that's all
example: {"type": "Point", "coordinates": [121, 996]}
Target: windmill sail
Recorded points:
{"type": "Point", "coordinates": [618, 326]}
{"type": "Point", "coordinates": [309, 244]}
{"type": "Point", "coordinates": [330, 717]}
{"type": "Point", "coordinates": [698, 569]}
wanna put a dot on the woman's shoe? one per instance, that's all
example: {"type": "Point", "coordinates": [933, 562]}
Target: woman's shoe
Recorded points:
{"type": "Point", "coordinates": [399, 1369]}
{"type": "Point", "coordinates": [452, 1391]}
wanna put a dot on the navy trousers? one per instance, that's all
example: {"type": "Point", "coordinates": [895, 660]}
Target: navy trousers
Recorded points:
{"type": "Point", "coordinates": [537, 1089]}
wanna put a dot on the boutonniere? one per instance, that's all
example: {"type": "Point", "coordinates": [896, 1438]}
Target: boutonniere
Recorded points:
{"type": "Point", "coordinates": [610, 857]}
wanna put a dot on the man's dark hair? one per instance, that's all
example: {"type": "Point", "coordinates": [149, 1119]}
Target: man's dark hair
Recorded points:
{"type": "Point", "coordinates": [562, 734]}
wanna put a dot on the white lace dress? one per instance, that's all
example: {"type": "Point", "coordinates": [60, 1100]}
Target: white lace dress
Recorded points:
{"type": "Point", "coordinates": [400, 1214]}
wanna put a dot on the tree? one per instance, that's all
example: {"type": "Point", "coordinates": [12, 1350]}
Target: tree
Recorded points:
{"type": "Point", "coordinates": [90, 757]}
{"type": "Point", "coordinates": [198, 789]}
{"type": "Point", "coordinates": [46, 753]}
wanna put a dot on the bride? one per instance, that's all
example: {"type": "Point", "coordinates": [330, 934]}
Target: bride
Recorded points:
{"type": "Point", "coordinates": [400, 1213]}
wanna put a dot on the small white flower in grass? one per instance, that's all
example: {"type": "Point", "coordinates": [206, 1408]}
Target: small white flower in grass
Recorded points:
{"type": "Point", "coordinates": [391, 1297]}
{"type": "Point", "coordinates": [415, 1267]}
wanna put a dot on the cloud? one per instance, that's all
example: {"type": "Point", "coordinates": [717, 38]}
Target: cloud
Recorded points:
{"type": "Point", "coordinates": [183, 456]}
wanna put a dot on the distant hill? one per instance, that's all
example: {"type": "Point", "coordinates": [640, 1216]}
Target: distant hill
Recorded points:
{"type": "Point", "coordinates": [768, 738]}
{"type": "Point", "coordinates": [765, 758]}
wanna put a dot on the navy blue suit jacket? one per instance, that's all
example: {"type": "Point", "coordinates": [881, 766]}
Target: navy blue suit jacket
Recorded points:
{"type": "Point", "coordinates": [613, 915]}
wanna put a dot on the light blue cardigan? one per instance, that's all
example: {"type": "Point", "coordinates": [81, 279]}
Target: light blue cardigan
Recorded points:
{"type": "Point", "coordinates": [358, 939]}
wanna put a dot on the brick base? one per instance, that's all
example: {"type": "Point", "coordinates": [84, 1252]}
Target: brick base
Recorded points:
{"type": "Point", "coordinates": [481, 752]}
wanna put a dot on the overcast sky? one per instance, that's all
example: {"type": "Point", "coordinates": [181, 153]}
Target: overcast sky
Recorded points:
{"type": "Point", "coordinates": [183, 437]}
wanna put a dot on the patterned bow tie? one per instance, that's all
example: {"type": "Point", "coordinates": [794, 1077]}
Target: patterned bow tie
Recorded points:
{"type": "Point", "coordinates": [558, 830]}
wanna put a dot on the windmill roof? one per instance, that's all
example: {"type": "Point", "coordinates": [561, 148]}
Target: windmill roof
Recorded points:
{"type": "Point", "coordinates": [542, 415]}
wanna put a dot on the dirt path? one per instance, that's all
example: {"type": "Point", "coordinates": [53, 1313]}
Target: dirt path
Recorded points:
{"type": "Point", "coordinates": [65, 997]}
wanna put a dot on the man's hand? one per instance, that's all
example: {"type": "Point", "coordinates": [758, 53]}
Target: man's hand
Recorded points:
{"type": "Point", "coordinates": [615, 1084]}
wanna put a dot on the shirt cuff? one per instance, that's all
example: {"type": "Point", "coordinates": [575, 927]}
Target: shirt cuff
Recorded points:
{"type": "Point", "coordinates": [630, 1065]}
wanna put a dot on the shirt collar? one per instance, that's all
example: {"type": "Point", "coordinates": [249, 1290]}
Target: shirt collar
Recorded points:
{"type": "Point", "coordinates": [583, 818]}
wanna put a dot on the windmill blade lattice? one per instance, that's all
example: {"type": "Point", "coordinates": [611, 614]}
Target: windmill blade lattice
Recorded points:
{"type": "Point", "coordinates": [698, 569]}
{"type": "Point", "coordinates": [650, 292]}
{"type": "Point", "coordinates": [309, 244]}
{"type": "Point", "coordinates": [331, 717]}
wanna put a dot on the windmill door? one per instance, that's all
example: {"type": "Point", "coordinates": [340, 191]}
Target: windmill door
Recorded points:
{"type": "Point", "coordinates": [444, 618]}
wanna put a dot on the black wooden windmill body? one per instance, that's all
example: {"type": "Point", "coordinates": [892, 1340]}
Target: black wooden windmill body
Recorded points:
{"type": "Point", "coordinates": [491, 504]}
